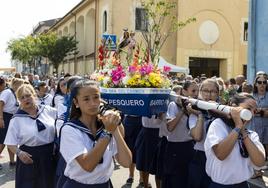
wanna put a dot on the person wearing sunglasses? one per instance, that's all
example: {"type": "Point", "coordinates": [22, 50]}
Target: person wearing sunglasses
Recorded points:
{"type": "Point", "coordinates": [233, 151]}
{"type": "Point", "coordinates": [259, 123]}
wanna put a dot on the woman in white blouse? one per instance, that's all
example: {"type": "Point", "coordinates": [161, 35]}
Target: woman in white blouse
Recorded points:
{"type": "Point", "coordinates": [31, 137]}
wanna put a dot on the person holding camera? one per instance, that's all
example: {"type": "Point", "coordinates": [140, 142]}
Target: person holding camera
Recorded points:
{"type": "Point", "coordinates": [89, 140]}
{"type": "Point", "coordinates": [233, 151]}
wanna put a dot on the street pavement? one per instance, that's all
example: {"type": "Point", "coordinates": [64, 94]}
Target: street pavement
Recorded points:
{"type": "Point", "coordinates": [119, 177]}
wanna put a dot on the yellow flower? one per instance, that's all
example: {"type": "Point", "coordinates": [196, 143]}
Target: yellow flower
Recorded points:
{"type": "Point", "coordinates": [155, 79]}
{"type": "Point", "coordinates": [134, 80]}
{"type": "Point", "coordinates": [100, 77]}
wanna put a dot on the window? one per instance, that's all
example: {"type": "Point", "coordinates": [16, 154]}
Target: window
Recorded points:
{"type": "Point", "coordinates": [104, 22]}
{"type": "Point", "coordinates": [245, 70]}
{"type": "Point", "coordinates": [141, 22]}
{"type": "Point", "coordinates": [245, 31]}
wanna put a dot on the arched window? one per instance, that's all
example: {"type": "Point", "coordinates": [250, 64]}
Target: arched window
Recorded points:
{"type": "Point", "coordinates": [105, 21]}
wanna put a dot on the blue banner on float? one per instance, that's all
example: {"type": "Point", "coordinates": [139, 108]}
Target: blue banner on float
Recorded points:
{"type": "Point", "coordinates": [137, 101]}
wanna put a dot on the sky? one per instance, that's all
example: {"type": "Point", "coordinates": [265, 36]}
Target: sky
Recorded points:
{"type": "Point", "coordinates": [19, 17]}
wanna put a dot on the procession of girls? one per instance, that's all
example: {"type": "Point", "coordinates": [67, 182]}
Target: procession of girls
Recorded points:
{"type": "Point", "coordinates": [185, 147]}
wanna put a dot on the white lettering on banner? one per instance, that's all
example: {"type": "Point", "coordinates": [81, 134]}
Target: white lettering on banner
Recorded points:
{"type": "Point", "coordinates": [117, 102]}
{"type": "Point", "coordinates": [158, 102]}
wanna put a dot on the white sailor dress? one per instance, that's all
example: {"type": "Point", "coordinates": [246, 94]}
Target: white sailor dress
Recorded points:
{"type": "Point", "coordinates": [35, 136]}
{"type": "Point", "coordinates": [76, 139]}
{"type": "Point", "coordinates": [11, 106]}
{"type": "Point", "coordinates": [46, 100]}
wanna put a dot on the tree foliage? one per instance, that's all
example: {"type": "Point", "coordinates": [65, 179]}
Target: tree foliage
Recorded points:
{"type": "Point", "coordinates": [48, 45]}
{"type": "Point", "coordinates": [156, 34]}
{"type": "Point", "coordinates": [23, 49]}
{"type": "Point", "coordinates": [56, 48]}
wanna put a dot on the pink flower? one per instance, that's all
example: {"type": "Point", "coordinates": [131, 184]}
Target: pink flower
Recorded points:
{"type": "Point", "coordinates": [166, 69]}
{"type": "Point", "coordinates": [146, 69]}
{"type": "Point", "coordinates": [132, 69]}
{"type": "Point", "coordinates": [118, 74]}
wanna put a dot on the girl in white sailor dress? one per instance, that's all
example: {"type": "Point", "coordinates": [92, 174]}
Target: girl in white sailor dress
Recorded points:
{"type": "Point", "coordinates": [60, 93]}
{"type": "Point", "coordinates": [63, 117]}
{"type": "Point", "coordinates": [179, 150]}
{"type": "Point", "coordinates": [198, 124]}
{"type": "Point", "coordinates": [89, 141]}
{"type": "Point", "coordinates": [8, 106]}
{"type": "Point", "coordinates": [146, 146]}
{"type": "Point", "coordinates": [233, 151]}
{"type": "Point", "coordinates": [44, 98]}
{"type": "Point", "coordinates": [30, 136]}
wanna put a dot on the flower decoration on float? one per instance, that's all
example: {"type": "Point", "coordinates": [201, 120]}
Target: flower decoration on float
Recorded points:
{"type": "Point", "coordinates": [128, 72]}
{"type": "Point", "coordinates": [124, 68]}
{"type": "Point", "coordinates": [128, 64]}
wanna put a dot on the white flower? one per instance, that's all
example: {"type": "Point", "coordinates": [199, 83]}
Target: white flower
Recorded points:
{"type": "Point", "coordinates": [94, 76]}
{"type": "Point", "coordinates": [125, 80]}
{"type": "Point", "coordinates": [104, 71]}
{"type": "Point", "coordinates": [110, 72]}
{"type": "Point", "coordinates": [106, 79]}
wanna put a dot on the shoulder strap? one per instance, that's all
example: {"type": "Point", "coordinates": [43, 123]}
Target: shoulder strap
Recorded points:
{"type": "Point", "coordinates": [17, 103]}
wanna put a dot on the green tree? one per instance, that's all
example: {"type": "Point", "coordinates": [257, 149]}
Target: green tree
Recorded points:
{"type": "Point", "coordinates": [23, 50]}
{"type": "Point", "coordinates": [56, 48]}
{"type": "Point", "coordinates": [156, 34]}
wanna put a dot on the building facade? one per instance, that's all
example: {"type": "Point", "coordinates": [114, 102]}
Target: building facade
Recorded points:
{"type": "Point", "coordinates": [258, 38]}
{"type": "Point", "coordinates": [216, 44]}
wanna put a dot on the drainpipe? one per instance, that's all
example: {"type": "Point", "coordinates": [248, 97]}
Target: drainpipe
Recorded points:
{"type": "Point", "coordinates": [96, 32]}
{"type": "Point", "coordinates": [251, 70]}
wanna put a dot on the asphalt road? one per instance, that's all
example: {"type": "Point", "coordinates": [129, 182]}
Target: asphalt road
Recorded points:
{"type": "Point", "coordinates": [120, 175]}
{"type": "Point", "coordinates": [7, 175]}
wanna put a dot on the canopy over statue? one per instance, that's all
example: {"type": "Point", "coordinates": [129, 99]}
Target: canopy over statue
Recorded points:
{"type": "Point", "coordinates": [173, 68]}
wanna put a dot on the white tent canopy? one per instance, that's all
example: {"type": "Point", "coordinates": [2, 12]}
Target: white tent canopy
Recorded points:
{"type": "Point", "coordinates": [174, 68]}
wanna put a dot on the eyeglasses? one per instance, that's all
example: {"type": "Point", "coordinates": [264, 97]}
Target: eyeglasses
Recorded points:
{"type": "Point", "coordinates": [207, 92]}
{"type": "Point", "coordinates": [262, 82]}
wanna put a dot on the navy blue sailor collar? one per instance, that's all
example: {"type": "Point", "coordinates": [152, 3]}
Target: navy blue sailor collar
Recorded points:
{"type": "Point", "coordinates": [76, 123]}
{"type": "Point", "coordinates": [44, 97]}
{"type": "Point", "coordinates": [21, 113]}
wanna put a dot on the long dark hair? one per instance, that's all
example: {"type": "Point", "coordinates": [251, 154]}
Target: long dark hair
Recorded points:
{"type": "Point", "coordinates": [255, 89]}
{"type": "Point", "coordinates": [75, 113]}
{"type": "Point", "coordinates": [57, 92]}
{"type": "Point", "coordinates": [187, 84]}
